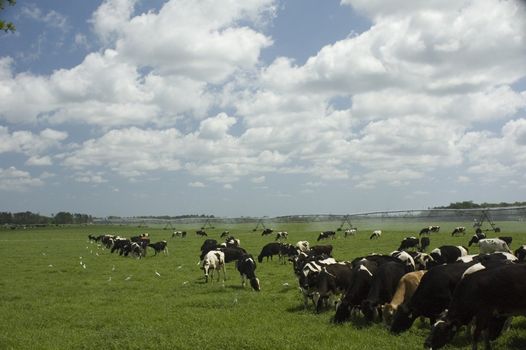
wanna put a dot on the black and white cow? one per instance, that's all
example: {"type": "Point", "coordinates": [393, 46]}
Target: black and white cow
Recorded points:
{"type": "Point", "coordinates": [491, 245]}
{"type": "Point", "coordinates": [476, 238]}
{"type": "Point", "coordinates": [383, 287]}
{"type": "Point", "coordinates": [506, 239]}
{"type": "Point", "coordinates": [333, 280]}
{"type": "Point", "coordinates": [326, 235]}
{"type": "Point", "coordinates": [267, 231]}
{"type": "Point", "coordinates": [232, 253]}
{"type": "Point", "coordinates": [282, 235]}
{"type": "Point", "coordinates": [447, 254]}
{"type": "Point", "coordinates": [520, 253]}
{"type": "Point", "coordinates": [201, 233]}
{"type": "Point", "coordinates": [161, 246]}
{"type": "Point", "coordinates": [181, 234]}
{"type": "Point", "coordinates": [224, 234]}
{"type": "Point", "coordinates": [350, 232]}
{"type": "Point", "coordinates": [214, 260]}
{"type": "Point", "coordinates": [458, 230]}
{"type": "Point", "coordinates": [431, 297]}
{"type": "Point", "coordinates": [247, 267]}
{"type": "Point", "coordinates": [208, 245]}
{"type": "Point", "coordinates": [488, 297]}
{"type": "Point", "coordinates": [408, 243]}
{"type": "Point", "coordinates": [376, 234]}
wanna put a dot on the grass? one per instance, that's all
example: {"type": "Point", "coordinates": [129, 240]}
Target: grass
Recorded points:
{"type": "Point", "coordinates": [50, 301]}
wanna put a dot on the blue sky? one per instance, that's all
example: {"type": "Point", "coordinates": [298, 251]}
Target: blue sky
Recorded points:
{"type": "Point", "coordinates": [261, 107]}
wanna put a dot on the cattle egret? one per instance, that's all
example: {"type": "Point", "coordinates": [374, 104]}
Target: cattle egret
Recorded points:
{"type": "Point", "coordinates": [180, 266]}
{"type": "Point", "coordinates": [128, 278]}
{"type": "Point", "coordinates": [286, 284]}
{"type": "Point", "coordinates": [84, 265]}
{"type": "Point", "coordinates": [109, 279]}
{"type": "Point", "coordinates": [50, 265]}
{"type": "Point", "coordinates": [157, 273]}
{"type": "Point", "coordinates": [185, 283]}
{"type": "Point", "coordinates": [113, 268]}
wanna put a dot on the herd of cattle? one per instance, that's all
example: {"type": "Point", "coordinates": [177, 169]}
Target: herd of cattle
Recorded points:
{"type": "Point", "coordinates": [445, 285]}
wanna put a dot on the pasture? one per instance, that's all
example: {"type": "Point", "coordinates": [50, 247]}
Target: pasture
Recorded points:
{"type": "Point", "coordinates": [59, 291]}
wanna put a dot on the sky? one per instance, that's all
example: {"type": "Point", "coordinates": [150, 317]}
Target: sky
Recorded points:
{"type": "Point", "coordinates": [261, 107]}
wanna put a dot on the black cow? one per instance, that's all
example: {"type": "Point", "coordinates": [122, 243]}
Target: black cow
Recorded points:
{"type": "Point", "coordinates": [424, 243]}
{"type": "Point", "coordinates": [432, 296]}
{"type": "Point", "coordinates": [247, 267]}
{"type": "Point", "coordinates": [408, 242]}
{"type": "Point", "coordinates": [159, 247]}
{"type": "Point", "coordinates": [232, 253]}
{"type": "Point", "coordinates": [267, 231]}
{"type": "Point", "coordinates": [383, 286]}
{"type": "Point", "coordinates": [93, 238]}
{"type": "Point", "coordinates": [208, 245]}
{"type": "Point", "coordinates": [321, 249]}
{"type": "Point", "coordinates": [201, 233]}
{"type": "Point", "coordinates": [506, 239]}
{"type": "Point", "coordinates": [489, 297]}
{"type": "Point", "coordinates": [520, 253]}
{"type": "Point", "coordinates": [326, 235]}
{"type": "Point", "coordinates": [333, 279]}
{"type": "Point", "coordinates": [119, 243]}
{"type": "Point", "coordinates": [269, 250]}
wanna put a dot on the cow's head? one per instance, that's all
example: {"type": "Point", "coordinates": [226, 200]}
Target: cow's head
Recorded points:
{"type": "Point", "coordinates": [441, 333]}
{"type": "Point", "coordinates": [403, 318]}
{"type": "Point", "coordinates": [343, 312]}
{"type": "Point", "coordinates": [254, 283]}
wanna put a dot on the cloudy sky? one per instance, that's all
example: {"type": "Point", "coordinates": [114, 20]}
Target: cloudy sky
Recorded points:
{"type": "Point", "coordinates": [261, 107]}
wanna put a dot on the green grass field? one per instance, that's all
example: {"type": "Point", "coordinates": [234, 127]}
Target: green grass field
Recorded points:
{"type": "Point", "coordinates": [50, 301]}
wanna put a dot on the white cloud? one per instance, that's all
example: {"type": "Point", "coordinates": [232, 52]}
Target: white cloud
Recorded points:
{"type": "Point", "coordinates": [51, 18]}
{"type": "Point", "coordinates": [228, 186]}
{"type": "Point", "coordinates": [12, 179]}
{"type": "Point", "coordinates": [196, 184]}
{"type": "Point", "coordinates": [258, 180]}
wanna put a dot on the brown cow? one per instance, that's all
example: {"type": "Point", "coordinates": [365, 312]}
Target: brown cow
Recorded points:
{"type": "Point", "coordinates": [404, 291]}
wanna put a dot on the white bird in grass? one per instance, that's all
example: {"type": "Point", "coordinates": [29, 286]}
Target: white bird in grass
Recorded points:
{"type": "Point", "coordinates": [109, 279]}
{"type": "Point", "coordinates": [128, 278]}
{"type": "Point", "coordinates": [84, 265]}
{"type": "Point", "coordinates": [113, 268]}
{"type": "Point", "coordinates": [157, 273]}
{"type": "Point", "coordinates": [180, 266]}
{"type": "Point", "coordinates": [50, 265]}
{"type": "Point", "coordinates": [286, 284]}
{"type": "Point", "coordinates": [185, 283]}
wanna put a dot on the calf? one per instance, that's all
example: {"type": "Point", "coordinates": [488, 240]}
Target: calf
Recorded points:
{"type": "Point", "coordinates": [409, 242]}
{"type": "Point", "coordinates": [376, 234]}
{"type": "Point", "coordinates": [326, 235]}
{"type": "Point", "coordinates": [431, 297]}
{"type": "Point", "coordinates": [404, 291]}
{"type": "Point", "coordinates": [159, 247]}
{"type": "Point", "coordinates": [214, 260]}
{"type": "Point", "coordinates": [458, 230]}
{"type": "Point", "coordinates": [488, 297]}
{"type": "Point", "coordinates": [247, 267]}
{"type": "Point", "coordinates": [321, 249]}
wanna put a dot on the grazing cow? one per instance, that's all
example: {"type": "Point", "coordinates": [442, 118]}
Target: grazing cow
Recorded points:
{"type": "Point", "coordinates": [520, 253]}
{"type": "Point", "coordinates": [435, 228]}
{"type": "Point", "coordinates": [404, 257]}
{"type": "Point", "coordinates": [267, 231]}
{"type": "Point", "coordinates": [143, 240]}
{"type": "Point", "coordinates": [363, 270]}
{"type": "Point", "coordinates": [491, 245]}
{"type": "Point", "coordinates": [119, 243]}
{"type": "Point", "coordinates": [247, 267]}
{"type": "Point", "coordinates": [409, 242]}
{"type": "Point", "coordinates": [458, 230]}
{"type": "Point", "coordinates": [376, 234]}
{"type": "Point", "coordinates": [446, 254]}
{"type": "Point", "coordinates": [135, 249]}
{"type": "Point", "coordinates": [214, 260]}
{"type": "Point", "coordinates": [350, 232]}
{"type": "Point", "coordinates": [404, 291]}
{"type": "Point", "coordinates": [269, 250]}
{"type": "Point", "coordinates": [287, 250]}
{"type": "Point", "coordinates": [232, 242]}
{"type": "Point", "coordinates": [159, 247]}
{"type": "Point", "coordinates": [307, 270]}
{"type": "Point", "coordinates": [431, 297]}
{"type": "Point", "coordinates": [424, 231]}
{"type": "Point", "coordinates": [282, 235]}
{"type": "Point", "coordinates": [326, 235]}
{"type": "Point", "coordinates": [201, 233]}
{"type": "Point", "coordinates": [224, 234]}
{"type": "Point", "coordinates": [424, 243]}
{"type": "Point", "coordinates": [488, 297]}
{"type": "Point", "coordinates": [181, 234]}
{"type": "Point", "coordinates": [383, 287]}
{"type": "Point", "coordinates": [232, 253]}
{"type": "Point", "coordinates": [107, 240]}
{"type": "Point", "coordinates": [476, 238]}
{"type": "Point", "coordinates": [303, 246]}
{"type": "Point", "coordinates": [321, 249]}
{"type": "Point", "coordinates": [333, 280]}
{"type": "Point", "coordinates": [93, 238]}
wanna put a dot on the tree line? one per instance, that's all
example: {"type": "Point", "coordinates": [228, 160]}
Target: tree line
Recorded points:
{"type": "Point", "coordinates": [471, 205]}
{"type": "Point", "coordinates": [29, 218]}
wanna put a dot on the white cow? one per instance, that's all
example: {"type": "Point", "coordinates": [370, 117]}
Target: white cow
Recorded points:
{"type": "Point", "coordinates": [214, 260]}
{"type": "Point", "coordinates": [376, 234]}
{"type": "Point", "coordinates": [492, 245]}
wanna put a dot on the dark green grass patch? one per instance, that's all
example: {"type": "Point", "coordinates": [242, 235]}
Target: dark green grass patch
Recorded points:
{"type": "Point", "coordinates": [59, 291]}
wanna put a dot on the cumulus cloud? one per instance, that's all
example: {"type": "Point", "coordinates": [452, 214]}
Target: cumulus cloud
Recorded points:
{"type": "Point", "coordinates": [196, 184]}
{"type": "Point", "coordinates": [13, 179]}
{"type": "Point", "coordinates": [31, 144]}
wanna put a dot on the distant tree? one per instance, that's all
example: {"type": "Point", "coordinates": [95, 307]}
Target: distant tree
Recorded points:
{"type": "Point", "coordinates": [6, 26]}
{"type": "Point", "coordinates": [63, 218]}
